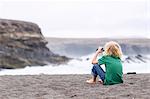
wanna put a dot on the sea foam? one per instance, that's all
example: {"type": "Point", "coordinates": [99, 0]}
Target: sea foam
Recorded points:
{"type": "Point", "coordinates": [76, 66]}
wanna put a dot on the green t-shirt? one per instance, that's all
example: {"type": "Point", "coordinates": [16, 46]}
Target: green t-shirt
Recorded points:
{"type": "Point", "coordinates": [113, 70]}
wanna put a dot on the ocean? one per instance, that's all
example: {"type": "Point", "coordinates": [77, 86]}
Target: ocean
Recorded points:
{"type": "Point", "coordinates": [77, 66]}
{"type": "Point", "coordinates": [136, 56]}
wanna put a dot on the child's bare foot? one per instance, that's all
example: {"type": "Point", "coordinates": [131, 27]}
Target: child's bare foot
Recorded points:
{"type": "Point", "coordinates": [100, 81]}
{"type": "Point", "coordinates": [91, 81]}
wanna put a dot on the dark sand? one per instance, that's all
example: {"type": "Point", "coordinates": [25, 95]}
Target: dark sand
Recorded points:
{"type": "Point", "coordinates": [135, 86]}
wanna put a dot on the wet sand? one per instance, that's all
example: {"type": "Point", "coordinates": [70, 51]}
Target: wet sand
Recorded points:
{"type": "Point", "coordinates": [135, 86]}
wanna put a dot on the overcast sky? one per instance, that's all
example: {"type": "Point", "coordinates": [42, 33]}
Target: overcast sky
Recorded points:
{"type": "Point", "coordinates": [82, 18]}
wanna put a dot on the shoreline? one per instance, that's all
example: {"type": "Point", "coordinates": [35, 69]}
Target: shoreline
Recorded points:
{"type": "Point", "coordinates": [72, 87]}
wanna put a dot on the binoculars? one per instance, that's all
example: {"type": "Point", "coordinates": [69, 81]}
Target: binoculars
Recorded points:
{"type": "Point", "coordinates": [102, 49]}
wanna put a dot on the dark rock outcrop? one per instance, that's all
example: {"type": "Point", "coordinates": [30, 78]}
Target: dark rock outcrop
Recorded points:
{"type": "Point", "coordinates": [22, 44]}
{"type": "Point", "coordinates": [136, 59]}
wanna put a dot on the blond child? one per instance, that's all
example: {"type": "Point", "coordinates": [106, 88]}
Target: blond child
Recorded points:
{"type": "Point", "coordinates": [113, 65]}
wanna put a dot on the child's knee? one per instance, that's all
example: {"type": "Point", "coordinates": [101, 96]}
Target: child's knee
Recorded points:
{"type": "Point", "coordinates": [95, 65]}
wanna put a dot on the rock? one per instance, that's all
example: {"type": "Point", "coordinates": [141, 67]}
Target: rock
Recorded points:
{"type": "Point", "coordinates": [22, 44]}
{"type": "Point", "coordinates": [141, 58]}
{"type": "Point", "coordinates": [136, 59]}
{"type": "Point", "coordinates": [87, 59]}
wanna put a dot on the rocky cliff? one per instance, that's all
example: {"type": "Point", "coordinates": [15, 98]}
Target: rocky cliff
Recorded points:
{"type": "Point", "coordinates": [22, 44]}
{"type": "Point", "coordinates": [135, 50]}
{"type": "Point", "coordinates": [82, 47]}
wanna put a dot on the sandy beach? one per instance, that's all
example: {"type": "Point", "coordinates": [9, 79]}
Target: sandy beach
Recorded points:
{"type": "Point", "coordinates": [135, 86]}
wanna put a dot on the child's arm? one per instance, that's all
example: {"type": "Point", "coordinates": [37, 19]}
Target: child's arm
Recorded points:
{"type": "Point", "coordinates": [94, 60]}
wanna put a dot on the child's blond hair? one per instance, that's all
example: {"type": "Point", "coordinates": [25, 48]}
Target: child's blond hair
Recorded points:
{"type": "Point", "coordinates": [113, 48]}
